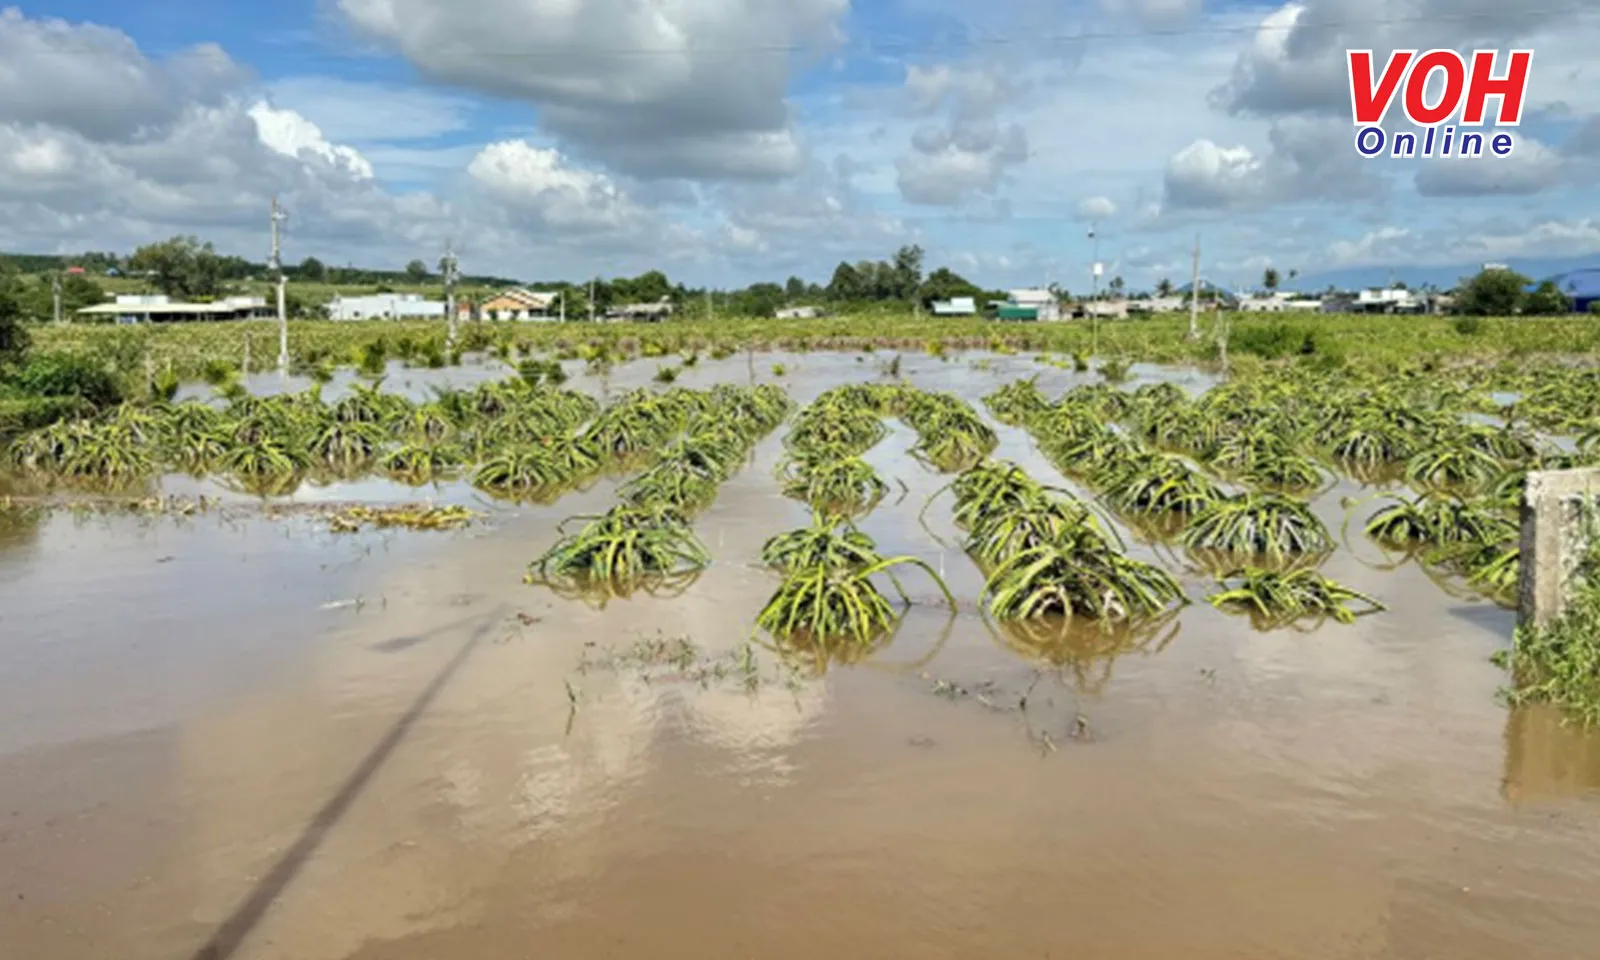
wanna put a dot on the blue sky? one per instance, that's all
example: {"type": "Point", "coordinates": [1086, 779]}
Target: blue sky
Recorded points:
{"type": "Point", "coordinates": [729, 141]}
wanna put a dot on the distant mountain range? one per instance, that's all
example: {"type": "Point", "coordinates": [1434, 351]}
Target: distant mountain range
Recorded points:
{"type": "Point", "coordinates": [1443, 277]}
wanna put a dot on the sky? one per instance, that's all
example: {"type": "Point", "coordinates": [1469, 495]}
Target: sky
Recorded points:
{"type": "Point", "coordinates": [733, 141]}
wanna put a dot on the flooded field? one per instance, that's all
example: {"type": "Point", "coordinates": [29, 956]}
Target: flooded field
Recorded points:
{"type": "Point", "coordinates": [237, 736]}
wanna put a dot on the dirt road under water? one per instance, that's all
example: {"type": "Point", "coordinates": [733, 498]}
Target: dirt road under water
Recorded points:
{"type": "Point", "coordinates": [255, 739]}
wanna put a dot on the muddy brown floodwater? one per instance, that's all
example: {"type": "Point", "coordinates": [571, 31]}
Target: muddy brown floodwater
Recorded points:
{"type": "Point", "coordinates": [253, 739]}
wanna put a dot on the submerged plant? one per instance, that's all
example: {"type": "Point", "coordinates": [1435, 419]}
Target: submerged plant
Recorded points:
{"type": "Point", "coordinates": [1433, 518]}
{"type": "Point", "coordinates": [625, 543]}
{"type": "Point", "coordinates": [1063, 578]}
{"type": "Point", "coordinates": [849, 485]}
{"type": "Point", "coordinates": [1155, 484]}
{"type": "Point", "coordinates": [839, 602]}
{"type": "Point", "coordinates": [1276, 597]}
{"type": "Point", "coordinates": [828, 543]}
{"type": "Point", "coordinates": [1452, 465]}
{"type": "Point", "coordinates": [1268, 524]}
{"type": "Point", "coordinates": [524, 468]}
{"type": "Point", "coordinates": [1017, 402]}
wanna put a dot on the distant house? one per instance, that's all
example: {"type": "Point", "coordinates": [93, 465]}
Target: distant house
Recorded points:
{"type": "Point", "coordinates": [1104, 309]}
{"type": "Point", "coordinates": [1157, 305]}
{"type": "Point", "coordinates": [1339, 303]}
{"type": "Point", "coordinates": [799, 313]}
{"type": "Point", "coordinates": [1278, 303]}
{"type": "Point", "coordinates": [955, 307]}
{"type": "Point", "coordinates": [1388, 300]}
{"type": "Point", "coordinates": [1044, 303]}
{"type": "Point", "coordinates": [519, 303]}
{"type": "Point", "coordinates": [649, 312]}
{"type": "Point", "coordinates": [74, 271]}
{"type": "Point", "coordinates": [157, 308]}
{"type": "Point", "coordinates": [385, 306]}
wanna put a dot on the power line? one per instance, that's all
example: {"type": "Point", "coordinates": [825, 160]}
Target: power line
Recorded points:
{"type": "Point", "coordinates": [875, 46]}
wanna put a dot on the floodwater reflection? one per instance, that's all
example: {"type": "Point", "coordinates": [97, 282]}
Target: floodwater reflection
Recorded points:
{"type": "Point", "coordinates": [1086, 649]}
{"type": "Point", "coordinates": [1549, 759]}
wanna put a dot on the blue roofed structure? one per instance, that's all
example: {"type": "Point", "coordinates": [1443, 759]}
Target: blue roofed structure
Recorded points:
{"type": "Point", "coordinates": [1581, 285]}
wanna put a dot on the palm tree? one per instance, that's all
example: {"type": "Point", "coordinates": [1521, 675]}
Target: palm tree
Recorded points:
{"type": "Point", "coordinates": [1164, 288]}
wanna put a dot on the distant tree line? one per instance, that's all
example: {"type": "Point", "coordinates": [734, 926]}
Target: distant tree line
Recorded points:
{"type": "Point", "coordinates": [185, 268]}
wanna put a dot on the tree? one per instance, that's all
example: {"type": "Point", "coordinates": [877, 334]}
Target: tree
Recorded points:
{"type": "Point", "coordinates": [577, 300]}
{"type": "Point", "coordinates": [1492, 293]}
{"type": "Point", "coordinates": [416, 271]}
{"type": "Point", "coordinates": [77, 292]}
{"type": "Point", "coordinates": [846, 283]}
{"type": "Point", "coordinates": [795, 289]}
{"type": "Point", "coordinates": [1547, 300]}
{"type": "Point", "coordinates": [651, 287]}
{"type": "Point", "coordinates": [1164, 288]}
{"type": "Point", "coordinates": [759, 300]}
{"type": "Point", "coordinates": [1269, 279]}
{"type": "Point", "coordinates": [13, 335]}
{"type": "Point", "coordinates": [182, 268]}
{"type": "Point", "coordinates": [1117, 285]}
{"type": "Point", "coordinates": [945, 284]}
{"type": "Point", "coordinates": [312, 270]}
{"type": "Point", "coordinates": [906, 272]}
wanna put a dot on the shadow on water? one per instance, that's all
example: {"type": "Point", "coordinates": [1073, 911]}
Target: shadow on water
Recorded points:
{"type": "Point", "coordinates": [227, 939]}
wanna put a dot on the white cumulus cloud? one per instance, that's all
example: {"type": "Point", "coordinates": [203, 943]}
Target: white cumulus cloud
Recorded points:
{"type": "Point", "coordinates": [294, 136]}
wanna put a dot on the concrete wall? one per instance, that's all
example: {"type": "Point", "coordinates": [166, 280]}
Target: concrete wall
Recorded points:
{"type": "Point", "coordinates": [1554, 539]}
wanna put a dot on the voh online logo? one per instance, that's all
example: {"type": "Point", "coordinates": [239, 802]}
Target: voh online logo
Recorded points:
{"type": "Point", "coordinates": [1467, 87]}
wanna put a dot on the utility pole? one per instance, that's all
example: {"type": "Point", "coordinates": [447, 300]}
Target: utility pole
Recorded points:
{"type": "Point", "coordinates": [449, 271]}
{"type": "Point", "coordinates": [1094, 294]}
{"type": "Point", "coordinates": [55, 296]}
{"type": "Point", "coordinates": [710, 308]}
{"type": "Point", "coordinates": [591, 301]}
{"type": "Point", "coordinates": [278, 216]}
{"type": "Point", "coordinates": [562, 294]}
{"type": "Point", "coordinates": [1194, 294]}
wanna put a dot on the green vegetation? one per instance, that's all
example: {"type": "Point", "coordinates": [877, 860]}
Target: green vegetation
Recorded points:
{"type": "Point", "coordinates": [697, 441]}
{"type": "Point", "coordinates": [1276, 598]}
{"type": "Point", "coordinates": [1559, 663]}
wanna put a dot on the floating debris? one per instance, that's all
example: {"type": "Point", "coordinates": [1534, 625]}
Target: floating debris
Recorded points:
{"type": "Point", "coordinates": [411, 516]}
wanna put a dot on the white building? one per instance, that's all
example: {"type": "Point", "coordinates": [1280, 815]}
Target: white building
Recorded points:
{"type": "Point", "coordinates": [1388, 300]}
{"type": "Point", "coordinates": [158, 308]}
{"type": "Point", "coordinates": [955, 307]}
{"type": "Point", "coordinates": [799, 313]}
{"type": "Point", "coordinates": [385, 306]}
{"type": "Point", "coordinates": [1278, 302]}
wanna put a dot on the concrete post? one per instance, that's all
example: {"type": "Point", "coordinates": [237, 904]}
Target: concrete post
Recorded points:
{"type": "Point", "coordinates": [1554, 539]}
